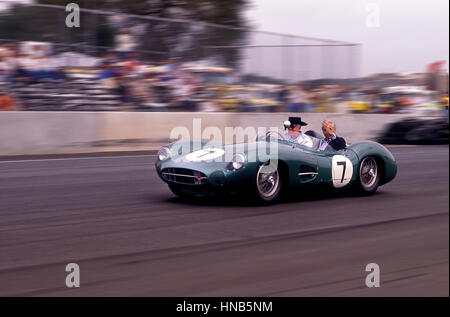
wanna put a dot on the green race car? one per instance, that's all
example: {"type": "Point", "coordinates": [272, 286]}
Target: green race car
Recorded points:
{"type": "Point", "coordinates": [271, 165]}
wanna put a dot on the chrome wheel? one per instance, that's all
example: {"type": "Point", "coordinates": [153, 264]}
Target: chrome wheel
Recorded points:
{"type": "Point", "coordinates": [368, 173]}
{"type": "Point", "coordinates": [268, 181]}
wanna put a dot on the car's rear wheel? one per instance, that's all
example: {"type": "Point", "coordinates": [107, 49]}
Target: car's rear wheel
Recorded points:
{"type": "Point", "coordinates": [369, 175]}
{"type": "Point", "coordinates": [268, 182]}
{"type": "Point", "coordinates": [180, 193]}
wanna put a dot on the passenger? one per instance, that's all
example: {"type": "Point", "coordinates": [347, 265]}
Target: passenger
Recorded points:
{"type": "Point", "coordinates": [330, 137]}
{"type": "Point", "coordinates": [294, 134]}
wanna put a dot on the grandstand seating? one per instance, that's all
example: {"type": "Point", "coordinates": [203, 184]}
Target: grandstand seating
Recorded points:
{"type": "Point", "coordinates": [82, 92]}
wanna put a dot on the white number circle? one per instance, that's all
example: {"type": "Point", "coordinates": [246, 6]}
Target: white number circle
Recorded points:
{"type": "Point", "coordinates": [341, 171]}
{"type": "Point", "coordinates": [204, 155]}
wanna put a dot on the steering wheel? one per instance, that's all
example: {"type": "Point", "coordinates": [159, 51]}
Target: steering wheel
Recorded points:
{"type": "Point", "coordinates": [278, 134]}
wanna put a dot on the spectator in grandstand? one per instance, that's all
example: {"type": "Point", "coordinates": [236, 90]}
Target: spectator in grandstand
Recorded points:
{"type": "Point", "coordinates": [290, 106]}
{"type": "Point", "coordinates": [6, 62]}
{"type": "Point", "coordinates": [7, 102]}
{"type": "Point", "coordinates": [21, 72]}
{"type": "Point", "coordinates": [297, 99]}
{"type": "Point", "coordinates": [36, 63]}
{"type": "Point", "coordinates": [4, 68]}
{"type": "Point", "coordinates": [110, 58]}
{"type": "Point", "coordinates": [123, 90]}
{"type": "Point", "coordinates": [54, 69]}
{"type": "Point", "coordinates": [169, 70]}
{"type": "Point", "coordinates": [125, 43]}
{"type": "Point", "coordinates": [301, 98]}
{"type": "Point", "coordinates": [9, 65]}
{"type": "Point", "coordinates": [323, 100]}
{"type": "Point", "coordinates": [309, 100]}
{"type": "Point", "coordinates": [183, 94]}
{"type": "Point", "coordinates": [106, 71]}
{"type": "Point", "coordinates": [107, 74]}
{"type": "Point", "coordinates": [38, 66]}
{"type": "Point", "coordinates": [283, 95]}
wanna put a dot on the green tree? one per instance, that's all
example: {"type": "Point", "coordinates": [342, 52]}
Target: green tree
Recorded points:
{"type": "Point", "coordinates": [28, 23]}
{"type": "Point", "coordinates": [186, 40]}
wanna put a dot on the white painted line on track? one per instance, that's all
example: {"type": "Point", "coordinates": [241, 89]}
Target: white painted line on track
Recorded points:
{"type": "Point", "coordinates": [78, 158]}
{"type": "Point", "coordinates": [401, 145]}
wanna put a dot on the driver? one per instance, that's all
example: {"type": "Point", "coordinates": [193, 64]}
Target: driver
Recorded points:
{"type": "Point", "coordinates": [294, 134]}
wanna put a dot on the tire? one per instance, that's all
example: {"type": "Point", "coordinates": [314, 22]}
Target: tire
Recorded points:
{"type": "Point", "coordinates": [369, 175]}
{"type": "Point", "coordinates": [268, 182]}
{"type": "Point", "coordinates": [180, 193]}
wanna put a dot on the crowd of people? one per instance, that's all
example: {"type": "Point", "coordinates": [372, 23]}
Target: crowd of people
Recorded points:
{"type": "Point", "coordinates": [170, 86]}
{"type": "Point", "coordinates": [167, 85]}
{"type": "Point", "coordinates": [36, 65]}
{"type": "Point", "coordinates": [302, 98]}
{"type": "Point", "coordinates": [23, 68]}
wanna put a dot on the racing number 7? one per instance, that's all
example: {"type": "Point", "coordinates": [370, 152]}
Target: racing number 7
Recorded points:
{"type": "Point", "coordinates": [343, 171]}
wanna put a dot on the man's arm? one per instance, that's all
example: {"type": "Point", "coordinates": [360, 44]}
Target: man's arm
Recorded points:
{"type": "Point", "coordinates": [338, 143]}
{"type": "Point", "coordinates": [307, 141]}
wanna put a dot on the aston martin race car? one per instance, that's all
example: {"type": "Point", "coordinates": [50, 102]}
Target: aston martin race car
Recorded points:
{"type": "Point", "coordinates": [271, 165]}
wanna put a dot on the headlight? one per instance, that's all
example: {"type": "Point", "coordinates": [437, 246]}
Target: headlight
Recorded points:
{"type": "Point", "coordinates": [238, 161]}
{"type": "Point", "coordinates": [163, 153]}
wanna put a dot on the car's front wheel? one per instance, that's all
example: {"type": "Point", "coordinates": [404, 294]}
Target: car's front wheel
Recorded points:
{"type": "Point", "coordinates": [369, 175]}
{"type": "Point", "coordinates": [268, 182]}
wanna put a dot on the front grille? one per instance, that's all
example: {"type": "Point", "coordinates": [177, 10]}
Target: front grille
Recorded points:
{"type": "Point", "coordinates": [184, 176]}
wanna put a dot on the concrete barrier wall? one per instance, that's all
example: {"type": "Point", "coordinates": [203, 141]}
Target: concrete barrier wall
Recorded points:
{"type": "Point", "coordinates": [27, 133]}
{"type": "Point", "coordinates": [41, 132]}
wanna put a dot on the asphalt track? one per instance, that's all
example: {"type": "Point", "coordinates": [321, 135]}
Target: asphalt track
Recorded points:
{"type": "Point", "coordinates": [131, 237]}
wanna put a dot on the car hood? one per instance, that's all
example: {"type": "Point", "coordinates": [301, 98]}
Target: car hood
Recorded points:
{"type": "Point", "coordinates": [207, 151]}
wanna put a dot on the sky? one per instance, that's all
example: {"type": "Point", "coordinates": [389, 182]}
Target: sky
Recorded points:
{"type": "Point", "coordinates": [396, 35]}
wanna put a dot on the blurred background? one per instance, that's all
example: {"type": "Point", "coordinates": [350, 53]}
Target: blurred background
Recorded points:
{"type": "Point", "coordinates": [195, 56]}
{"type": "Point", "coordinates": [86, 109]}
